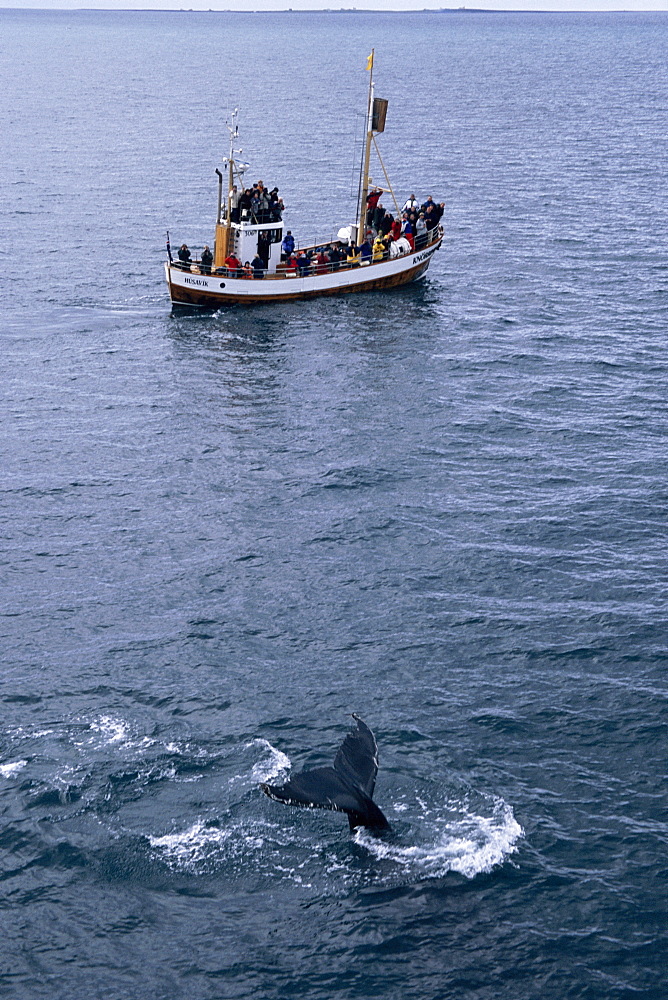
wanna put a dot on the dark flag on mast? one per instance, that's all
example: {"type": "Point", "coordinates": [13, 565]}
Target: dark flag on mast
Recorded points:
{"type": "Point", "coordinates": [169, 249]}
{"type": "Point", "coordinates": [378, 116]}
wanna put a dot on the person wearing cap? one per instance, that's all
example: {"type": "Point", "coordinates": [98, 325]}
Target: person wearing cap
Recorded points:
{"type": "Point", "coordinates": [184, 257]}
{"type": "Point", "coordinates": [206, 261]}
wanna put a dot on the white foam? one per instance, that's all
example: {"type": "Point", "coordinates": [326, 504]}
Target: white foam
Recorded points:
{"type": "Point", "coordinates": [470, 844]}
{"type": "Point", "coordinates": [21, 733]}
{"type": "Point", "coordinates": [108, 730]}
{"type": "Point", "coordinates": [275, 767]}
{"type": "Point", "coordinates": [112, 730]}
{"type": "Point", "coordinates": [63, 778]}
{"type": "Point", "coordinates": [9, 770]}
{"type": "Point", "coordinates": [189, 848]}
{"type": "Point", "coordinates": [204, 845]}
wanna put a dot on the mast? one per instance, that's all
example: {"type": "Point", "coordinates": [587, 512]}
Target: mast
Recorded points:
{"type": "Point", "coordinates": [361, 214]}
{"type": "Point", "coordinates": [224, 227]}
{"type": "Point", "coordinates": [234, 132]}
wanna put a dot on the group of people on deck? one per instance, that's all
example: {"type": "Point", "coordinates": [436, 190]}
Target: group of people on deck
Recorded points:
{"type": "Point", "coordinates": [251, 269]}
{"type": "Point", "coordinates": [255, 204]}
{"type": "Point", "coordinates": [321, 260]}
{"type": "Point", "coordinates": [385, 237]}
{"type": "Point", "coordinates": [185, 259]}
{"type": "Point", "coordinates": [416, 223]}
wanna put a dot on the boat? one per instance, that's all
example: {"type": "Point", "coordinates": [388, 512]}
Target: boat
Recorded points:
{"type": "Point", "coordinates": [332, 266]}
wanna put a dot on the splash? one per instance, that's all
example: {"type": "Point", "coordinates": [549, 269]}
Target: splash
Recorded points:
{"type": "Point", "coordinates": [9, 770]}
{"type": "Point", "coordinates": [272, 768]}
{"type": "Point", "coordinates": [469, 843]}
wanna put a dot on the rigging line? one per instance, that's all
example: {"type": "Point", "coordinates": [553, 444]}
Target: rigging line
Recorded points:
{"type": "Point", "coordinates": [396, 204]}
{"type": "Point", "coordinates": [358, 119]}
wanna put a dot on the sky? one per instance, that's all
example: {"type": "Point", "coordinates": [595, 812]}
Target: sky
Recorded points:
{"type": "Point", "coordinates": [411, 5]}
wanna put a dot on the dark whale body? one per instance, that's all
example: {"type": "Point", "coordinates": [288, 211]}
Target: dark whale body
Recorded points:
{"type": "Point", "coordinates": [346, 787]}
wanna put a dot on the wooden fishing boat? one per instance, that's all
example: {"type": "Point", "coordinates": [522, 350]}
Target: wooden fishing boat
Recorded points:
{"type": "Point", "coordinates": [245, 236]}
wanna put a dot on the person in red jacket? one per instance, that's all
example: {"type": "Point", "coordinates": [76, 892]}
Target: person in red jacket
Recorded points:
{"type": "Point", "coordinates": [234, 266]}
{"type": "Point", "coordinates": [321, 263]}
{"type": "Point", "coordinates": [371, 204]}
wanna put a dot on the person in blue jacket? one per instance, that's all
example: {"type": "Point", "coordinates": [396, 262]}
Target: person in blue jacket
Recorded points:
{"type": "Point", "coordinates": [258, 266]}
{"type": "Point", "coordinates": [303, 263]}
{"type": "Point", "coordinates": [365, 251]}
{"type": "Point", "coordinates": [288, 245]}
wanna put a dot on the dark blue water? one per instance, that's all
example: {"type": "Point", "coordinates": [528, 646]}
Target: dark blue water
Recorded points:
{"type": "Point", "coordinates": [443, 508]}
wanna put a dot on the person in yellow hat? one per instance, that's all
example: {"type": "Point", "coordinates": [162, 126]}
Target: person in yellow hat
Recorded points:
{"type": "Point", "coordinates": [379, 248]}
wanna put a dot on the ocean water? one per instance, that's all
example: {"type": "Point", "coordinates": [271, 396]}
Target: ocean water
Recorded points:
{"type": "Point", "coordinates": [443, 508]}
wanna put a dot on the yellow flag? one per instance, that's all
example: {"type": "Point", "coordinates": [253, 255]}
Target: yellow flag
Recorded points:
{"type": "Point", "coordinates": [369, 62]}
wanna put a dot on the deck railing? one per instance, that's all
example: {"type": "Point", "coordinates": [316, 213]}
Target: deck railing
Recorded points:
{"type": "Point", "coordinates": [314, 268]}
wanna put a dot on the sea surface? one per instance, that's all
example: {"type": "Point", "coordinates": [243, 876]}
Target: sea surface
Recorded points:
{"type": "Point", "coordinates": [443, 508]}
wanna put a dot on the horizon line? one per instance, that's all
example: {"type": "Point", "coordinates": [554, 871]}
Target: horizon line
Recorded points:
{"type": "Point", "coordinates": [327, 10]}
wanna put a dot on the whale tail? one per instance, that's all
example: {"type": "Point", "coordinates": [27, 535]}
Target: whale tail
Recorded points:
{"type": "Point", "coordinates": [346, 787]}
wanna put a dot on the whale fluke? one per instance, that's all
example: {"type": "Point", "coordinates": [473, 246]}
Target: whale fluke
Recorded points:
{"type": "Point", "coordinates": [346, 787]}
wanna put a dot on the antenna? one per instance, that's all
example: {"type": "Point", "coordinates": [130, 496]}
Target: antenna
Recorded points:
{"type": "Point", "coordinates": [229, 161]}
{"type": "Point", "coordinates": [233, 129]}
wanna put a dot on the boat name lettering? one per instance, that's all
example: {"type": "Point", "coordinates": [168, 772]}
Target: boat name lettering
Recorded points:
{"type": "Point", "coordinates": [422, 256]}
{"type": "Point", "coordinates": [195, 281]}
